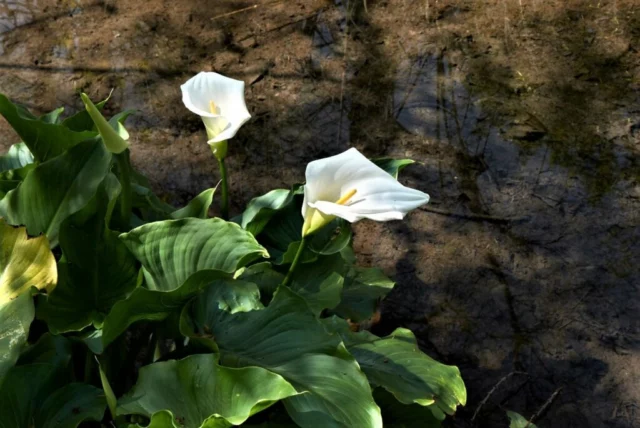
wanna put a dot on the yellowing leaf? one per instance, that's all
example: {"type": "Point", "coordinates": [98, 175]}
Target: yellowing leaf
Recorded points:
{"type": "Point", "coordinates": [24, 262]}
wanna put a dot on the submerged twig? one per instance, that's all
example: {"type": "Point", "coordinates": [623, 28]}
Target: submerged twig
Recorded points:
{"type": "Point", "coordinates": [544, 407]}
{"type": "Point", "coordinates": [492, 390]}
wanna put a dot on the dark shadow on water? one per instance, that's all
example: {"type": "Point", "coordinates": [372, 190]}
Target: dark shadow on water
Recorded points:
{"type": "Point", "coordinates": [555, 296]}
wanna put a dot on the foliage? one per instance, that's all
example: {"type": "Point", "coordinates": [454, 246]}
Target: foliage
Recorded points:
{"type": "Point", "coordinates": [516, 420]}
{"type": "Point", "coordinates": [117, 309]}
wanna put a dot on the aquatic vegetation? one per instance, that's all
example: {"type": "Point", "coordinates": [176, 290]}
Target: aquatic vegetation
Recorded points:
{"type": "Point", "coordinates": [118, 308]}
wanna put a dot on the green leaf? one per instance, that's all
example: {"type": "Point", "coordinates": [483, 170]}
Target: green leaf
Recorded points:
{"type": "Point", "coordinates": [265, 277]}
{"type": "Point", "coordinates": [36, 395]}
{"type": "Point", "coordinates": [110, 397]}
{"type": "Point", "coordinates": [52, 116]}
{"type": "Point", "coordinates": [24, 262]}
{"type": "Point", "coordinates": [25, 387]}
{"type": "Point", "coordinates": [71, 405]}
{"type": "Point", "coordinates": [207, 391]}
{"type": "Point", "coordinates": [198, 207]}
{"type": "Point", "coordinates": [284, 232]}
{"type": "Point", "coordinates": [17, 157]}
{"type": "Point", "coordinates": [50, 349]}
{"type": "Point", "coordinates": [230, 296]}
{"type": "Point", "coordinates": [98, 269]}
{"type": "Point", "coordinates": [153, 305]}
{"type": "Point", "coordinates": [518, 421]}
{"type": "Point", "coordinates": [332, 238]}
{"type": "Point", "coordinates": [15, 320]}
{"type": "Point", "coordinates": [10, 179]}
{"type": "Point", "coordinates": [45, 140]}
{"type": "Point", "coordinates": [398, 415]}
{"type": "Point", "coordinates": [287, 257]}
{"type": "Point", "coordinates": [171, 251]}
{"type": "Point", "coordinates": [234, 296]}
{"type": "Point", "coordinates": [320, 283]}
{"type": "Point", "coordinates": [283, 235]}
{"type": "Point", "coordinates": [56, 189]}
{"type": "Point", "coordinates": [363, 289]}
{"type": "Point", "coordinates": [261, 209]}
{"type": "Point", "coordinates": [287, 339]}
{"type": "Point", "coordinates": [148, 204]}
{"type": "Point", "coordinates": [392, 166]}
{"type": "Point", "coordinates": [161, 419]}
{"type": "Point", "coordinates": [396, 363]}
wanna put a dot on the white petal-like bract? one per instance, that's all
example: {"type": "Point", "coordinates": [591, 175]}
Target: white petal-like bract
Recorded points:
{"type": "Point", "coordinates": [370, 191]}
{"type": "Point", "coordinates": [219, 100]}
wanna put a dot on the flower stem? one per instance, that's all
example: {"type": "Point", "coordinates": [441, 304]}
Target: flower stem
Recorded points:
{"type": "Point", "coordinates": [294, 265]}
{"type": "Point", "coordinates": [124, 167]}
{"type": "Point", "coordinates": [225, 189]}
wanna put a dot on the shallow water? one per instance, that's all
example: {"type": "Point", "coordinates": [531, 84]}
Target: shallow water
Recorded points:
{"type": "Point", "coordinates": [523, 114]}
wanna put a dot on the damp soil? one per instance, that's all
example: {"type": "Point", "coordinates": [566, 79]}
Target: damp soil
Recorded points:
{"type": "Point", "coordinates": [523, 116]}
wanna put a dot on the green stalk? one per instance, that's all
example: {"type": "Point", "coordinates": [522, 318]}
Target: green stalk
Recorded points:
{"type": "Point", "coordinates": [88, 366]}
{"type": "Point", "coordinates": [294, 265]}
{"type": "Point", "coordinates": [225, 189]}
{"type": "Point", "coordinates": [124, 166]}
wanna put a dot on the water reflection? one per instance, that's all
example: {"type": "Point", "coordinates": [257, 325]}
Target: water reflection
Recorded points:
{"type": "Point", "coordinates": [514, 110]}
{"type": "Point", "coordinates": [15, 13]}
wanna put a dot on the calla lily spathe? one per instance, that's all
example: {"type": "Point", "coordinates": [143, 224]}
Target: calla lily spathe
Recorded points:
{"type": "Point", "coordinates": [219, 101]}
{"type": "Point", "coordinates": [352, 187]}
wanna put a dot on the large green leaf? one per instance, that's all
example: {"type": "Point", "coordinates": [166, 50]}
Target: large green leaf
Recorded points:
{"type": "Point", "coordinates": [25, 387]}
{"type": "Point", "coordinates": [10, 179]}
{"type": "Point", "coordinates": [320, 283]}
{"type": "Point", "coordinates": [265, 277]}
{"type": "Point", "coordinates": [70, 405]}
{"type": "Point", "coordinates": [260, 210]}
{"type": "Point", "coordinates": [284, 232]}
{"type": "Point", "coordinates": [231, 296]}
{"type": "Point", "coordinates": [24, 262]}
{"type": "Point", "coordinates": [208, 391]}
{"type": "Point", "coordinates": [98, 269]}
{"type": "Point", "coordinates": [15, 320]}
{"type": "Point", "coordinates": [287, 339]}
{"type": "Point", "coordinates": [35, 395]}
{"type": "Point", "coordinates": [396, 363]}
{"type": "Point", "coordinates": [198, 207]}
{"type": "Point", "coordinates": [154, 305]}
{"type": "Point", "coordinates": [50, 349]}
{"type": "Point", "coordinates": [17, 157]}
{"type": "Point", "coordinates": [56, 189]}
{"type": "Point", "coordinates": [171, 251]}
{"type": "Point", "coordinates": [398, 415]}
{"type": "Point", "coordinates": [363, 289]}
{"type": "Point", "coordinates": [45, 140]}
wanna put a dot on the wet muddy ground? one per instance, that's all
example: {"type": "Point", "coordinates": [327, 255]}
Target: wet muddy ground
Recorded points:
{"type": "Point", "coordinates": [524, 116]}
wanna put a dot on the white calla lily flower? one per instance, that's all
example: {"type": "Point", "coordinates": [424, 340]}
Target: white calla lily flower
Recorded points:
{"type": "Point", "coordinates": [352, 187]}
{"type": "Point", "coordinates": [219, 101]}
